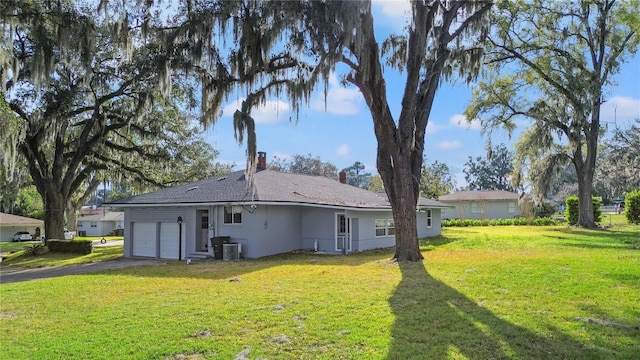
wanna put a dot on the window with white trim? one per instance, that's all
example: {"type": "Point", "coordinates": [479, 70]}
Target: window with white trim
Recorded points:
{"type": "Point", "coordinates": [429, 222]}
{"type": "Point", "coordinates": [511, 207]}
{"type": "Point", "coordinates": [233, 214]}
{"type": "Point", "coordinates": [94, 224]}
{"type": "Point", "coordinates": [475, 208]}
{"type": "Point", "coordinates": [385, 227]}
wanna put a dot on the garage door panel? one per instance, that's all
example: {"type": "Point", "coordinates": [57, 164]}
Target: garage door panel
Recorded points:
{"type": "Point", "coordinates": [169, 240]}
{"type": "Point", "coordinates": [144, 239]}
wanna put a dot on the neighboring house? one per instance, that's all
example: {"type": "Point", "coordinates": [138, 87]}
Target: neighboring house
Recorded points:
{"type": "Point", "coordinates": [281, 212]}
{"type": "Point", "coordinates": [481, 205]}
{"type": "Point", "coordinates": [10, 224]}
{"type": "Point", "coordinates": [101, 224]}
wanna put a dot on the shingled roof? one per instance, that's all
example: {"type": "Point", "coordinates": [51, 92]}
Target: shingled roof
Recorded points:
{"type": "Point", "coordinates": [489, 195]}
{"type": "Point", "coordinates": [269, 187]}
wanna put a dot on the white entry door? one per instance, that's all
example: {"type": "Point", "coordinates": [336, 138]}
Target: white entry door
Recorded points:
{"type": "Point", "coordinates": [343, 232]}
{"type": "Point", "coordinates": [144, 239]}
{"type": "Point", "coordinates": [169, 240]}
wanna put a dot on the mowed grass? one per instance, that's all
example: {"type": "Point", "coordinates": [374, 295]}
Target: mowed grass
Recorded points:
{"type": "Point", "coordinates": [481, 293]}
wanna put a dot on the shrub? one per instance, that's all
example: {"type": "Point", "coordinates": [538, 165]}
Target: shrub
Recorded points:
{"type": "Point", "coordinates": [573, 209]}
{"type": "Point", "coordinates": [37, 249]}
{"type": "Point", "coordinates": [597, 210]}
{"type": "Point", "coordinates": [632, 207]}
{"type": "Point", "coordinates": [546, 209]}
{"type": "Point", "coordinates": [499, 222]}
{"type": "Point", "coordinates": [71, 246]}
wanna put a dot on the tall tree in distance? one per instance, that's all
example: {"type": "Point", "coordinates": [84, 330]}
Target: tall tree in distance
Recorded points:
{"type": "Point", "coordinates": [492, 172]}
{"type": "Point", "coordinates": [436, 180]}
{"type": "Point", "coordinates": [304, 164]}
{"type": "Point", "coordinates": [356, 176]}
{"type": "Point", "coordinates": [550, 64]}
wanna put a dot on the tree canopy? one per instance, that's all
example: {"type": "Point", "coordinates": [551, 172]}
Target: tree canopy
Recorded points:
{"type": "Point", "coordinates": [436, 180]}
{"type": "Point", "coordinates": [550, 64]}
{"type": "Point", "coordinates": [492, 172]}
{"type": "Point", "coordinates": [304, 164]}
{"type": "Point", "coordinates": [92, 92]}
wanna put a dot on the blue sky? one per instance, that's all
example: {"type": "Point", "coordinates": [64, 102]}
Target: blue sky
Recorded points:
{"type": "Point", "coordinates": [343, 134]}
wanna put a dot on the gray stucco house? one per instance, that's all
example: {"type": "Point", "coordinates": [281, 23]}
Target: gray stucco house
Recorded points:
{"type": "Point", "coordinates": [281, 212]}
{"type": "Point", "coordinates": [493, 204]}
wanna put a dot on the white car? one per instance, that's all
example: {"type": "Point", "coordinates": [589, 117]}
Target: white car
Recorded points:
{"type": "Point", "coordinates": [68, 235]}
{"type": "Point", "coordinates": [22, 236]}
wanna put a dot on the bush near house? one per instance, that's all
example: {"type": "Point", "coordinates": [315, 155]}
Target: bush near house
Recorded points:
{"type": "Point", "coordinates": [71, 246]}
{"type": "Point", "coordinates": [573, 209]}
{"type": "Point", "coordinates": [632, 207]}
{"type": "Point", "coordinates": [543, 221]}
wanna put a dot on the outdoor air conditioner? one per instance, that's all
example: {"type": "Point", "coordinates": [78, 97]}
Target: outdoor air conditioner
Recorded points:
{"type": "Point", "coordinates": [230, 252]}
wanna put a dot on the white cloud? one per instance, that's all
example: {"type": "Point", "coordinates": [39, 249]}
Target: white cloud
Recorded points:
{"type": "Point", "coordinates": [621, 108]}
{"type": "Point", "coordinates": [460, 120]}
{"type": "Point", "coordinates": [432, 128]}
{"type": "Point", "coordinates": [446, 144]}
{"type": "Point", "coordinates": [394, 8]}
{"type": "Point", "coordinates": [340, 100]}
{"type": "Point", "coordinates": [343, 149]}
{"type": "Point", "coordinates": [273, 111]}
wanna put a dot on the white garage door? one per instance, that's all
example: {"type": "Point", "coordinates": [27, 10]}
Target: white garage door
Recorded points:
{"type": "Point", "coordinates": [144, 239]}
{"type": "Point", "coordinates": [169, 240]}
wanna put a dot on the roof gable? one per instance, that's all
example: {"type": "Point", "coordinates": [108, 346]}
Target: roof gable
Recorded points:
{"type": "Point", "coordinates": [484, 195]}
{"type": "Point", "coordinates": [9, 219]}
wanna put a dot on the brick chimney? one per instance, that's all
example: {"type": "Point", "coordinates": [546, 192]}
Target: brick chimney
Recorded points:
{"type": "Point", "coordinates": [262, 160]}
{"type": "Point", "coordinates": [343, 177]}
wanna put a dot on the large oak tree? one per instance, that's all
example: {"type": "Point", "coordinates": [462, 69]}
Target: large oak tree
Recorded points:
{"type": "Point", "coordinates": [551, 64]}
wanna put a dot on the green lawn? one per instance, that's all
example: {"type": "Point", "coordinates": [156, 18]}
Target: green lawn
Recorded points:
{"type": "Point", "coordinates": [481, 293]}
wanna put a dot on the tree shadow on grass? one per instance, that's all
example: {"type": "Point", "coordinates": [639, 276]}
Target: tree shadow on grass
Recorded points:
{"type": "Point", "coordinates": [435, 321]}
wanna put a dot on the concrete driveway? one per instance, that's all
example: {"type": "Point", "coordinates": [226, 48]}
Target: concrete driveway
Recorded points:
{"type": "Point", "coordinates": [11, 274]}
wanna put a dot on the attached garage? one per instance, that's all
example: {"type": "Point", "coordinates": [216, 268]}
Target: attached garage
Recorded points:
{"type": "Point", "coordinates": [144, 239]}
{"type": "Point", "coordinates": [169, 240]}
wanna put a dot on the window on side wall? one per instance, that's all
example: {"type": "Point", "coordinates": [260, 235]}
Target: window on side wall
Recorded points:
{"type": "Point", "coordinates": [428, 218]}
{"type": "Point", "coordinates": [233, 214]}
{"type": "Point", "coordinates": [511, 207]}
{"type": "Point", "coordinates": [385, 227]}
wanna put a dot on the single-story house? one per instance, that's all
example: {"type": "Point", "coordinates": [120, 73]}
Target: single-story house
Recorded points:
{"type": "Point", "coordinates": [279, 213]}
{"type": "Point", "coordinates": [11, 224]}
{"type": "Point", "coordinates": [494, 204]}
{"type": "Point", "coordinates": [102, 224]}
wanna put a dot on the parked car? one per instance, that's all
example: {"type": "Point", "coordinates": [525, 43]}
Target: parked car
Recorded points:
{"type": "Point", "coordinates": [68, 235]}
{"type": "Point", "coordinates": [22, 236]}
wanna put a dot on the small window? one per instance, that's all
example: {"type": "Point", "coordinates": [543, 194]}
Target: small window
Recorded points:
{"type": "Point", "coordinates": [475, 208]}
{"type": "Point", "coordinates": [233, 214]}
{"type": "Point", "coordinates": [385, 227]}
{"type": "Point", "coordinates": [429, 218]}
{"type": "Point", "coordinates": [511, 207]}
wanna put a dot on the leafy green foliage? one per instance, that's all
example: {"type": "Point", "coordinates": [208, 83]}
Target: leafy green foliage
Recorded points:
{"type": "Point", "coordinates": [70, 246]}
{"type": "Point", "coordinates": [436, 180]}
{"type": "Point", "coordinates": [305, 164]}
{"type": "Point", "coordinates": [36, 249]}
{"type": "Point", "coordinates": [632, 207]}
{"type": "Point", "coordinates": [572, 210]}
{"type": "Point", "coordinates": [492, 172]}
{"type": "Point", "coordinates": [541, 221]}
{"type": "Point", "coordinates": [356, 175]}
